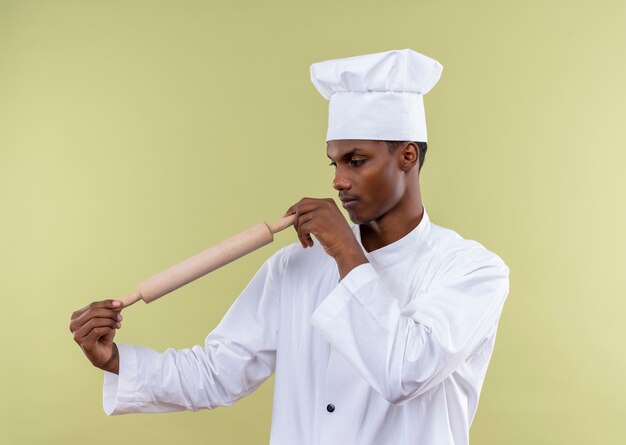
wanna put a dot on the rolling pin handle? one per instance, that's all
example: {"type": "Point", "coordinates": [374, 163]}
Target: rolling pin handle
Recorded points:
{"type": "Point", "coordinates": [281, 224]}
{"type": "Point", "coordinates": [130, 299]}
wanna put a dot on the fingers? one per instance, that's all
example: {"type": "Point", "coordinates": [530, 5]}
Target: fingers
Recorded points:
{"type": "Point", "coordinates": [96, 335]}
{"type": "Point", "coordinates": [95, 322]}
{"type": "Point", "coordinates": [305, 228]}
{"type": "Point", "coordinates": [76, 323]}
{"type": "Point", "coordinates": [99, 309]}
{"type": "Point", "coordinates": [303, 205]}
{"type": "Point", "coordinates": [110, 304]}
{"type": "Point", "coordinates": [92, 330]}
{"type": "Point", "coordinates": [306, 210]}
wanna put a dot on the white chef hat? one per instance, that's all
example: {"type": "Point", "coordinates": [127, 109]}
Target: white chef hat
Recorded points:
{"type": "Point", "coordinates": [377, 96]}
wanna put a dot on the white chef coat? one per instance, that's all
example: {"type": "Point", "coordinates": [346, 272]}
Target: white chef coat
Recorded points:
{"type": "Point", "coordinates": [395, 353]}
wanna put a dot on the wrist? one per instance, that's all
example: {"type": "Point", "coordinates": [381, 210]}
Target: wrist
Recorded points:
{"type": "Point", "coordinates": [350, 259]}
{"type": "Point", "coordinates": [113, 364]}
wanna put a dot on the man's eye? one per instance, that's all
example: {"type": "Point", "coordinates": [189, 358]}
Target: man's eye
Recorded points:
{"type": "Point", "coordinates": [356, 162]}
{"type": "Point", "coordinates": [332, 164]}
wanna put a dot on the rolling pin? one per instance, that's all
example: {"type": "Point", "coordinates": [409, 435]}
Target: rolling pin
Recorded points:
{"type": "Point", "coordinates": [207, 261]}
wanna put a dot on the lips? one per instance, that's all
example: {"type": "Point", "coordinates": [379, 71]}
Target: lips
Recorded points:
{"type": "Point", "coordinates": [348, 201]}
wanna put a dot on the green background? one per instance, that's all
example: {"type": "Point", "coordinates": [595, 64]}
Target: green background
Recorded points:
{"type": "Point", "coordinates": [136, 133]}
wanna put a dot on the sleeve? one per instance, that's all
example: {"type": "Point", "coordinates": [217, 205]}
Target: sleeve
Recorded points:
{"type": "Point", "coordinates": [238, 355]}
{"type": "Point", "coordinates": [404, 352]}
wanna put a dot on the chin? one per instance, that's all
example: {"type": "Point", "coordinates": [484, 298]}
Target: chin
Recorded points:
{"type": "Point", "coordinates": [354, 218]}
{"type": "Point", "coordinates": [358, 219]}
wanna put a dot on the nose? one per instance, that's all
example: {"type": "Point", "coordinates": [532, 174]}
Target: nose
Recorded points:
{"type": "Point", "coordinates": [340, 182]}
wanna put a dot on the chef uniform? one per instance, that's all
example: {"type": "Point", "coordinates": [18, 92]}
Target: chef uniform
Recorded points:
{"type": "Point", "coordinates": [394, 353]}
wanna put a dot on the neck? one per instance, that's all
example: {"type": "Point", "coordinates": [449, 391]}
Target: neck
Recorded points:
{"type": "Point", "coordinates": [394, 224]}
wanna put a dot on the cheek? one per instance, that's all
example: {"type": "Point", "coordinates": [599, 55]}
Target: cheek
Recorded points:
{"type": "Point", "coordinates": [390, 188]}
{"type": "Point", "coordinates": [380, 189]}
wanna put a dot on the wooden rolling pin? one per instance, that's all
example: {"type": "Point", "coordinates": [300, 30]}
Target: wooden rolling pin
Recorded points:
{"type": "Point", "coordinates": [207, 261]}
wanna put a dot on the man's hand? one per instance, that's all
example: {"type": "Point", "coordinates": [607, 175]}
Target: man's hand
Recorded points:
{"type": "Point", "coordinates": [322, 218]}
{"type": "Point", "coordinates": [94, 328]}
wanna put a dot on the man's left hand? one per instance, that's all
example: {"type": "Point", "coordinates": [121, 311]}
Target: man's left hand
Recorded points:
{"type": "Point", "coordinates": [323, 219]}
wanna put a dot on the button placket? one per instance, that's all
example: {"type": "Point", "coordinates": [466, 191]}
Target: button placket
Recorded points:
{"type": "Point", "coordinates": [341, 402]}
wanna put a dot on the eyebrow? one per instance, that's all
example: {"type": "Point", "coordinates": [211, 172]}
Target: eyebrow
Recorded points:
{"type": "Point", "coordinates": [346, 155]}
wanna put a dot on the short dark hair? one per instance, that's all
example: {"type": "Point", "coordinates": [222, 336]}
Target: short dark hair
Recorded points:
{"type": "Point", "coordinates": [422, 146]}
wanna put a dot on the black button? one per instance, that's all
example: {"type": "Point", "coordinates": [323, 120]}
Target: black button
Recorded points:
{"type": "Point", "coordinates": [330, 407]}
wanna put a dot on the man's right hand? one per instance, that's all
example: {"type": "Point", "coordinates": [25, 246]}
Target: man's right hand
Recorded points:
{"type": "Point", "coordinates": [94, 328]}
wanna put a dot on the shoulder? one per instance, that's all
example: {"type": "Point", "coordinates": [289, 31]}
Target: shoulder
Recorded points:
{"type": "Point", "coordinates": [452, 250]}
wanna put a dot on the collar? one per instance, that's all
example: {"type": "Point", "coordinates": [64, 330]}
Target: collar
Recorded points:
{"type": "Point", "coordinates": [414, 241]}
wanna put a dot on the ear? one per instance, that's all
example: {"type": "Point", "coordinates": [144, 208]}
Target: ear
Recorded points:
{"type": "Point", "coordinates": [408, 156]}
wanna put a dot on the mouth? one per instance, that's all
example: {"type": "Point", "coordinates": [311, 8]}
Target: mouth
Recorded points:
{"type": "Point", "coordinates": [348, 202]}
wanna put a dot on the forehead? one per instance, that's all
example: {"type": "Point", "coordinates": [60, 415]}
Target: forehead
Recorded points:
{"type": "Point", "coordinates": [337, 148]}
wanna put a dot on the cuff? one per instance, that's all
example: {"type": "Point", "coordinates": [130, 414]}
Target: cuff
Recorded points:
{"type": "Point", "coordinates": [334, 303]}
{"type": "Point", "coordinates": [114, 385]}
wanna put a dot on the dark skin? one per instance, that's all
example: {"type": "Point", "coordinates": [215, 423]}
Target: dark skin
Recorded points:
{"type": "Point", "coordinates": [94, 328]}
{"type": "Point", "coordinates": [380, 191]}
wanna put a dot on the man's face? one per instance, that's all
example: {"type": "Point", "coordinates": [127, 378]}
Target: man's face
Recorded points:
{"type": "Point", "coordinates": [368, 177]}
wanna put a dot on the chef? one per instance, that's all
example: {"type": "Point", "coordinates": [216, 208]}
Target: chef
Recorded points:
{"type": "Point", "coordinates": [378, 332]}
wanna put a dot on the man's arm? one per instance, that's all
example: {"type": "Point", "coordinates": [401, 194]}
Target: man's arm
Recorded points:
{"type": "Point", "coordinates": [405, 351]}
{"type": "Point", "coordinates": [401, 351]}
{"type": "Point", "coordinates": [237, 357]}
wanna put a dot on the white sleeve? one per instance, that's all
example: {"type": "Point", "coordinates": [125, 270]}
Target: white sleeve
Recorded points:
{"type": "Point", "coordinates": [404, 352]}
{"type": "Point", "coordinates": [237, 357]}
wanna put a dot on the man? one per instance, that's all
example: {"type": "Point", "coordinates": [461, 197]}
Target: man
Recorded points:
{"type": "Point", "coordinates": [379, 333]}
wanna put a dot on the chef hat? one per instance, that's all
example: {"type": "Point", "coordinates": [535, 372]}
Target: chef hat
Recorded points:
{"type": "Point", "coordinates": [377, 96]}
